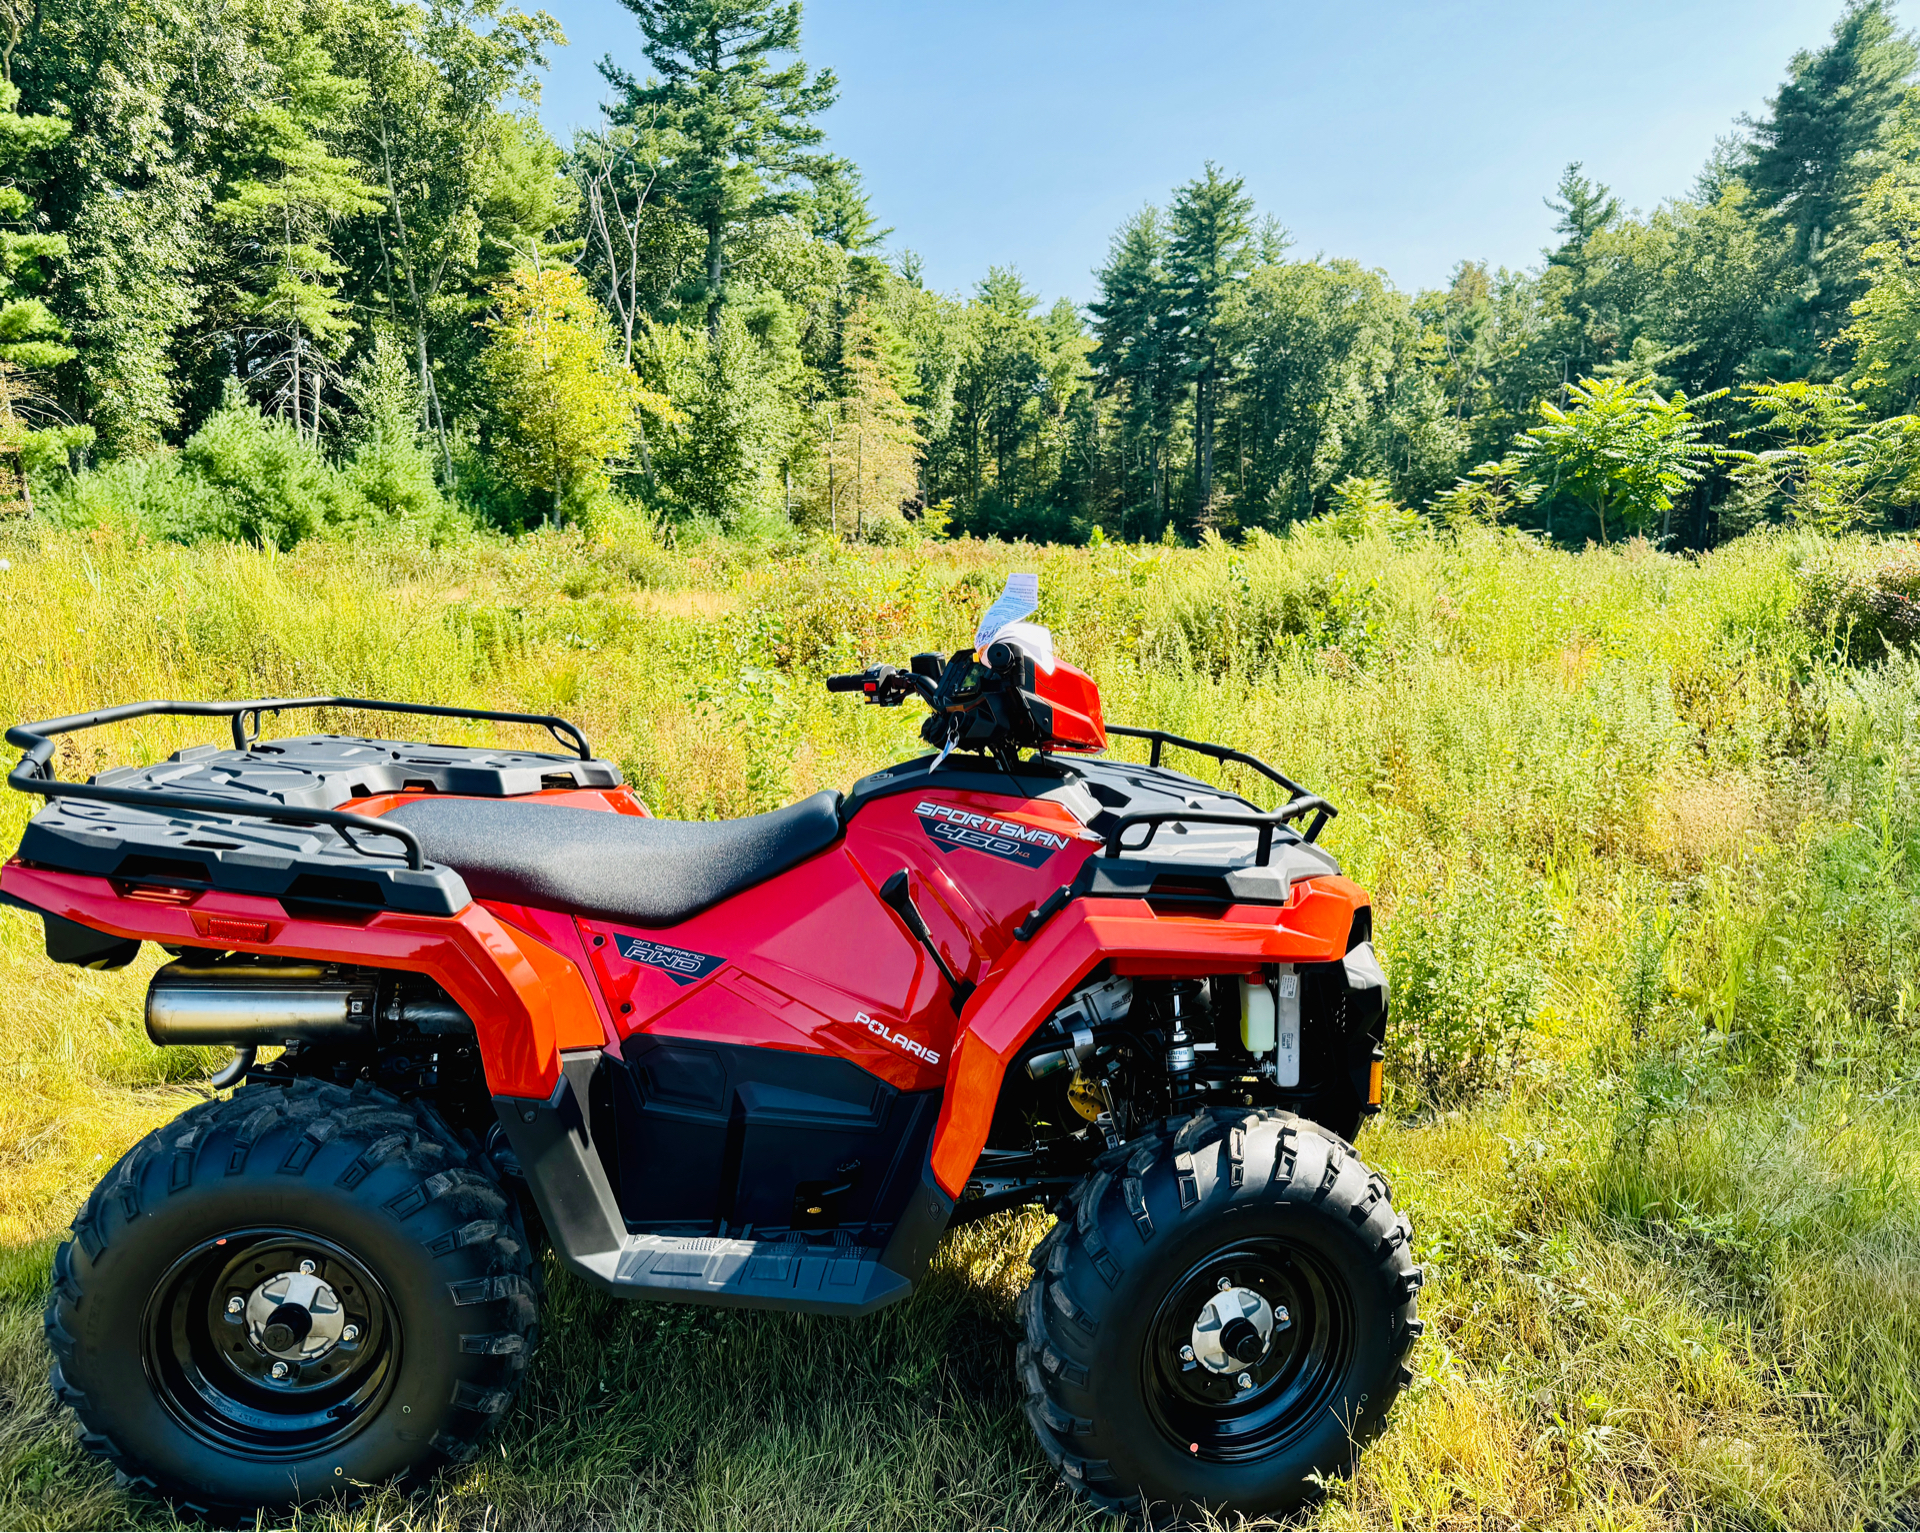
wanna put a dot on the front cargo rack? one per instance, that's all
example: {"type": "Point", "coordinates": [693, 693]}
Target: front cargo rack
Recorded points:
{"type": "Point", "coordinates": [1301, 803]}
{"type": "Point", "coordinates": [33, 773]}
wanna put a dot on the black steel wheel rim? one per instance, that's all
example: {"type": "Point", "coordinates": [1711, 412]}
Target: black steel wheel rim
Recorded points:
{"type": "Point", "coordinates": [1210, 1416]}
{"type": "Point", "coordinates": [218, 1380]}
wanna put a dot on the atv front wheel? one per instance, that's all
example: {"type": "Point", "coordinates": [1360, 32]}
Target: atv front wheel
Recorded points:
{"type": "Point", "coordinates": [1222, 1315]}
{"type": "Point", "coordinates": [295, 1291]}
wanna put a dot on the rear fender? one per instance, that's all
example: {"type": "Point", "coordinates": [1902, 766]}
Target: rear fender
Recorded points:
{"type": "Point", "coordinates": [1030, 980]}
{"type": "Point", "coordinates": [527, 1001]}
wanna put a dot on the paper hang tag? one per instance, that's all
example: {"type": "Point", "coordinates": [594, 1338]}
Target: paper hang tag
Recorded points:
{"type": "Point", "coordinates": [1020, 599]}
{"type": "Point", "coordinates": [1005, 620]}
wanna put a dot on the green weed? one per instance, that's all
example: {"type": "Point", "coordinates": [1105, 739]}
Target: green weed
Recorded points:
{"type": "Point", "coordinates": [1646, 857]}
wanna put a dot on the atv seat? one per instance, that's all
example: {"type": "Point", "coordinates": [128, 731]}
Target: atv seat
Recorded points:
{"type": "Point", "coordinates": [617, 866]}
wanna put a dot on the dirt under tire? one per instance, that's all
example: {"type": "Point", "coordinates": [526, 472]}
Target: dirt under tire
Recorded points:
{"type": "Point", "coordinates": [299, 1290]}
{"type": "Point", "coordinates": [1223, 1312]}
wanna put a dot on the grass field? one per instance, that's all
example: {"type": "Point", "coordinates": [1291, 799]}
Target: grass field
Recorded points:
{"type": "Point", "coordinates": [1646, 858]}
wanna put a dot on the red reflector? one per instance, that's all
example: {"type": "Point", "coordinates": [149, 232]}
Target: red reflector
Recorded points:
{"type": "Point", "coordinates": [236, 930]}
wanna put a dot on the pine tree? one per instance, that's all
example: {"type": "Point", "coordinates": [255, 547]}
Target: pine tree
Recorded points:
{"type": "Point", "coordinates": [877, 440]}
{"type": "Point", "coordinates": [1212, 249]}
{"type": "Point", "coordinates": [1582, 208]}
{"type": "Point", "coordinates": [749, 138]}
{"type": "Point", "coordinates": [1810, 161]}
{"type": "Point", "coordinates": [1824, 134]}
{"type": "Point", "coordinates": [1137, 344]}
{"type": "Point", "coordinates": [281, 211]}
{"type": "Point", "coordinates": [30, 336]}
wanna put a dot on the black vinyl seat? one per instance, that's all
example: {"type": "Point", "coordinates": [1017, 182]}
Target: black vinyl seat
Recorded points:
{"type": "Point", "coordinates": [591, 863]}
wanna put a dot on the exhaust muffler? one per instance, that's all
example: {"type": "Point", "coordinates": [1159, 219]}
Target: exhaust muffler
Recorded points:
{"type": "Point", "coordinates": [262, 1004]}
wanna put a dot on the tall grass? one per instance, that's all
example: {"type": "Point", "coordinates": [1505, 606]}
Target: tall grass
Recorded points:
{"type": "Point", "coordinates": [1646, 849]}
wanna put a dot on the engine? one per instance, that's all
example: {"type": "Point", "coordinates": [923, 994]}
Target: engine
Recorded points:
{"type": "Point", "coordinates": [1121, 1052]}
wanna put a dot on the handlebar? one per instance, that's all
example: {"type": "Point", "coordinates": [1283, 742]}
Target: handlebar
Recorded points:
{"type": "Point", "coordinates": [884, 684]}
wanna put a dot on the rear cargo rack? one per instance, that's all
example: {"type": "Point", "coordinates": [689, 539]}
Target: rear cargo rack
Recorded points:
{"type": "Point", "coordinates": [33, 773]}
{"type": "Point", "coordinates": [1302, 801]}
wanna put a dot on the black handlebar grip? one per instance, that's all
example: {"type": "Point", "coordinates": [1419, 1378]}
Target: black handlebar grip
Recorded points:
{"type": "Point", "coordinates": [856, 683]}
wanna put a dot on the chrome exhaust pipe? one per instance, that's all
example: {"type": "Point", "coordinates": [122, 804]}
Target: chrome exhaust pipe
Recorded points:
{"type": "Point", "coordinates": [254, 1004]}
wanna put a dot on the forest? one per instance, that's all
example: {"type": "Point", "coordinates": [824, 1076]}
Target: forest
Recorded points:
{"type": "Point", "coordinates": [271, 271]}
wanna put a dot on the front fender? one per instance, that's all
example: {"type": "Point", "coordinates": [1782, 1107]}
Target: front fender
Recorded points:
{"type": "Point", "coordinates": [1031, 979]}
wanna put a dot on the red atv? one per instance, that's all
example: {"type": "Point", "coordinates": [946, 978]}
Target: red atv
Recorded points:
{"type": "Point", "coordinates": [761, 1062]}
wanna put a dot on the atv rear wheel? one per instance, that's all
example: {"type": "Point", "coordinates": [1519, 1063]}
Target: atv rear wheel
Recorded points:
{"type": "Point", "coordinates": [1222, 1314]}
{"type": "Point", "coordinates": [296, 1291]}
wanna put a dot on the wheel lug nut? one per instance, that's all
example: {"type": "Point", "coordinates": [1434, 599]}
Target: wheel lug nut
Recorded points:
{"type": "Point", "coordinates": [1186, 1354]}
{"type": "Point", "coordinates": [236, 1304]}
{"type": "Point", "coordinates": [351, 1333]}
{"type": "Point", "coordinates": [1225, 1284]}
{"type": "Point", "coordinates": [307, 1266]}
{"type": "Point", "coordinates": [1245, 1381]}
{"type": "Point", "coordinates": [280, 1370]}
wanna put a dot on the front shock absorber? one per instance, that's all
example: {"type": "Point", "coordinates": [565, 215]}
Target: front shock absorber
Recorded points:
{"type": "Point", "coordinates": [1185, 999]}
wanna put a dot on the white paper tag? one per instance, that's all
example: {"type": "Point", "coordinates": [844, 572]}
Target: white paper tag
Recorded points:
{"type": "Point", "coordinates": [1020, 599]}
{"type": "Point", "coordinates": [1005, 619]}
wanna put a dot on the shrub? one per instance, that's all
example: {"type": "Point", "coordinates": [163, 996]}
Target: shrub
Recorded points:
{"type": "Point", "coordinates": [1865, 601]}
{"type": "Point", "coordinates": [259, 481]}
{"type": "Point", "coordinates": [1468, 964]}
{"type": "Point", "coordinates": [388, 467]}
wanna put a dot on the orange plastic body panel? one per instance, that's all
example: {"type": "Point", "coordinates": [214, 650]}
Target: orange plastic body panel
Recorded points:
{"type": "Point", "coordinates": [619, 800]}
{"type": "Point", "coordinates": [1070, 693]}
{"type": "Point", "coordinates": [810, 961]}
{"type": "Point", "coordinates": [523, 996]}
{"type": "Point", "coordinates": [1023, 989]}
{"type": "Point", "coordinates": [575, 1029]}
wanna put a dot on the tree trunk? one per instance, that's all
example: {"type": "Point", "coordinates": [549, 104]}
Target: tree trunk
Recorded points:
{"type": "Point", "coordinates": [1153, 474]}
{"type": "Point", "coordinates": [430, 417]}
{"type": "Point", "coordinates": [1203, 433]}
{"type": "Point", "coordinates": [716, 270]}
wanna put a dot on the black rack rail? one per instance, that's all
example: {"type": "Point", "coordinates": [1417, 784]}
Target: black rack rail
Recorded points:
{"type": "Point", "coordinates": [1301, 803]}
{"type": "Point", "coordinates": [1265, 824]}
{"type": "Point", "coordinates": [33, 772]}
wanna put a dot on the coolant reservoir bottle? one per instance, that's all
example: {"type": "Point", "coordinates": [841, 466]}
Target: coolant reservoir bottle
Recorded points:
{"type": "Point", "coordinates": [1256, 1017]}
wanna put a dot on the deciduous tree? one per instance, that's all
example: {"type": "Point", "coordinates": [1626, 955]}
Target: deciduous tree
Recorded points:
{"type": "Point", "coordinates": [1618, 449]}
{"type": "Point", "coordinates": [566, 406]}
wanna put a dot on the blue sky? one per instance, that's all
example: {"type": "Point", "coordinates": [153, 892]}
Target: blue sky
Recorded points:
{"type": "Point", "coordinates": [1404, 133]}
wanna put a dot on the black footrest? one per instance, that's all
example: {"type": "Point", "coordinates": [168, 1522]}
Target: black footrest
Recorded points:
{"type": "Point", "coordinates": [762, 1274]}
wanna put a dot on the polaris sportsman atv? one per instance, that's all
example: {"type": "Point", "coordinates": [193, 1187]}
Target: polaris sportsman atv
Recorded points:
{"type": "Point", "coordinates": [760, 1062]}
